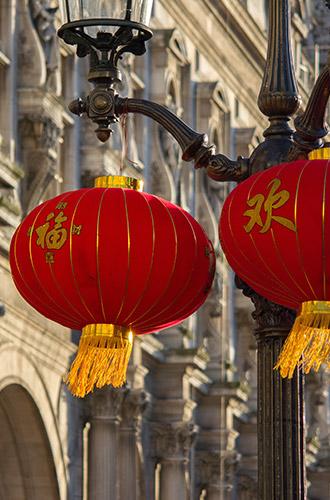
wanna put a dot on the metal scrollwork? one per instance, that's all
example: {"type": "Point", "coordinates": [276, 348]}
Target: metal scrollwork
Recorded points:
{"type": "Point", "coordinates": [221, 168]}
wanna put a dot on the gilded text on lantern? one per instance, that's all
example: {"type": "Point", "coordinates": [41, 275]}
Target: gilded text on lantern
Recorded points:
{"type": "Point", "coordinates": [76, 229]}
{"type": "Point", "coordinates": [52, 236]}
{"type": "Point", "coordinates": [263, 208]}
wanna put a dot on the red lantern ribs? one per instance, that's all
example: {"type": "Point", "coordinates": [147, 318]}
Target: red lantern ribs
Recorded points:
{"type": "Point", "coordinates": [275, 232]}
{"type": "Point", "coordinates": [113, 262]}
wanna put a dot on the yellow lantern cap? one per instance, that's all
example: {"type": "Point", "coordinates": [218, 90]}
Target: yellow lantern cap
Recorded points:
{"type": "Point", "coordinates": [320, 154]}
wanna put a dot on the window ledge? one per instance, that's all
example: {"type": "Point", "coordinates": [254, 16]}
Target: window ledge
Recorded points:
{"type": "Point", "coordinates": [4, 60]}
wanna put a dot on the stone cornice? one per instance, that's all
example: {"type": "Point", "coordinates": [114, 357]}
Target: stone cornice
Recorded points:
{"type": "Point", "coordinates": [217, 55]}
{"type": "Point", "coordinates": [242, 27]}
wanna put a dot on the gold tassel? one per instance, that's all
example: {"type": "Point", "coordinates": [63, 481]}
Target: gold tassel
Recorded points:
{"type": "Point", "coordinates": [102, 358]}
{"type": "Point", "coordinates": [308, 344]}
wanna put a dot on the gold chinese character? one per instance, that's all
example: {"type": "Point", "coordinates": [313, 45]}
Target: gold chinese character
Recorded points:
{"type": "Point", "coordinates": [49, 257]}
{"type": "Point", "coordinates": [42, 230]}
{"type": "Point", "coordinates": [76, 229]}
{"type": "Point", "coordinates": [57, 236]}
{"type": "Point", "coordinates": [29, 231]}
{"type": "Point", "coordinates": [274, 200]}
{"type": "Point", "coordinates": [61, 206]}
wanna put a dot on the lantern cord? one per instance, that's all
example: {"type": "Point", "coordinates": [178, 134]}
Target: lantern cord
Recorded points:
{"type": "Point", "coordinates": [124, 141]}
{"type": "Point", "coordinates": [102, 359]}
{"type": "Point", "coordinates": [124, 130]}
{"type": "Point", "coordinates": [308, 344]}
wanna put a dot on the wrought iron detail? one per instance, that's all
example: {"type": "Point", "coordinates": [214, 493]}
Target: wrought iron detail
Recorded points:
{"type": "Point", "coordinates": [311, 125]}
{"type": "Point", "coordinates": [278, 98]}
{"type": "Point", "coordinates": [106, 49]}
{"type": "Point", "coordinates": [267, 315]}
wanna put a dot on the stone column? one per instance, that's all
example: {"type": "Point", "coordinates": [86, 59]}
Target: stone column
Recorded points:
{"type": "Point", "coordinates": [318, 434]}
{"type": "Point", "coordinates": [208, 475]}
{"type": "Point", "coordinates": [210, 319]}
{"type": "Point", "coordinates": [171, 444]}
{"type": "Point", "coordinates": [103, 453]}
{"type": "Point", "coordinates": [134, 403]}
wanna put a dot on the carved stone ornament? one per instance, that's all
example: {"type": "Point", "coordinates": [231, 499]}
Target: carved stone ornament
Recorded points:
{"type": "Point", "coordinates": [43, 14]}
{"type": "Point", "coordinates": [41, 129]}
{"type": "Point", "coordinates": [208, 469]}
{"type": "Point", "coordinates": [39, 137]}
{"type": "Point", "coordinates": [172, 440]}
{"type": "Point", "coordinates": [106, 403]}
{"type": "Point", "coordinates": [134, 404]}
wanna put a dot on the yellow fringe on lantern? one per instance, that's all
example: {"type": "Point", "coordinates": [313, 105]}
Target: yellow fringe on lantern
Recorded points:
{"type": "Point", "coordinates": [102, 358]}
{"type": "Point", "coordinates": [308, 344]}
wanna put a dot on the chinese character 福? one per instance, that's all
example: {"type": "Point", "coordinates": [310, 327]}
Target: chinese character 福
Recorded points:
{"type": "Point", "coordinates": [57, 236]}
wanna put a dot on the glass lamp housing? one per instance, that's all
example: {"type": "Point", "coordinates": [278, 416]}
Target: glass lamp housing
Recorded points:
{"type": "Point", "coordinates": [94, 16]}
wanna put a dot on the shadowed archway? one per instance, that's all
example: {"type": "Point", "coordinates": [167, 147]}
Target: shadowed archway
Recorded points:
{"type": "Point", "coordinates": [27, 469]}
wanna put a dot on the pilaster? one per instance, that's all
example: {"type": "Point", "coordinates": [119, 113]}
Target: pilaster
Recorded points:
{"type": "Point", "coordinates": [103, 453]}
{"type": "Point", "coordinates": [171, 447]}
{"type": "Point", "coordinates": [131, 483]}
{"type": "Point", "coordinates": [39, 136]}
{"type": "Point", "coordinates": [318, 435]}
{"type": "Point", "coordinates": [41, 113]}
{"type": "Point", "coordinates": [216, 452]}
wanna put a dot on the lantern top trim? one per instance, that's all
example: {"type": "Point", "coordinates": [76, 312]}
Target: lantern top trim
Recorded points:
{"type": "Point", "coordinates": [119, 181]}
{"type": "Point", "coordinates": [320, 154]}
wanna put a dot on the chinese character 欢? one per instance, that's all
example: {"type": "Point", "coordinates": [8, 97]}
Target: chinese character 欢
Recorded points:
{"type": "Point", "coordinates": [52, 238]}
{"type": "Point", "coordinates": [274, 200]}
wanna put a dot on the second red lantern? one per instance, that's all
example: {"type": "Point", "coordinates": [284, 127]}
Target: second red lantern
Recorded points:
{"type": "Point", "coordinates": [275, 232]}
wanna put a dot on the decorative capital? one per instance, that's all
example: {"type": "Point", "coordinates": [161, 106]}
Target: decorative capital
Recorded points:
{"type": "Point", "coordinates": [106, 404]}
{"type": "Point", "coordinates": [135, 403]}
{"type": "Point", "coordinates": [209, 465]}
{"type": "Point", "coordinates": [208, 469]}
{"type": "Point", "coordinates": [172, 441]}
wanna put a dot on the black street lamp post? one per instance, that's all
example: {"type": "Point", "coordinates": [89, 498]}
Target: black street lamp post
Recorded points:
{"type": "Point", "coordinates": [122, 28]}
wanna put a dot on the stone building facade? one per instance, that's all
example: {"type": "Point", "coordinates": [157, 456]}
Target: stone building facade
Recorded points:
{"type": "Point", "coordinates": [184, 427]}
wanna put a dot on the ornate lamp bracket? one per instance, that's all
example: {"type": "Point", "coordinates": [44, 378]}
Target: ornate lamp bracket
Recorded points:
{"type": "Point", "coordinates": [104, 106]}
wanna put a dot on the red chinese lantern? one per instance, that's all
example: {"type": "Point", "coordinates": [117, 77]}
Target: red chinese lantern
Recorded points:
{"type": "Point", "coordinates": [275, 232]}
{"type": "Point", "coordinates": [113, 262]}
